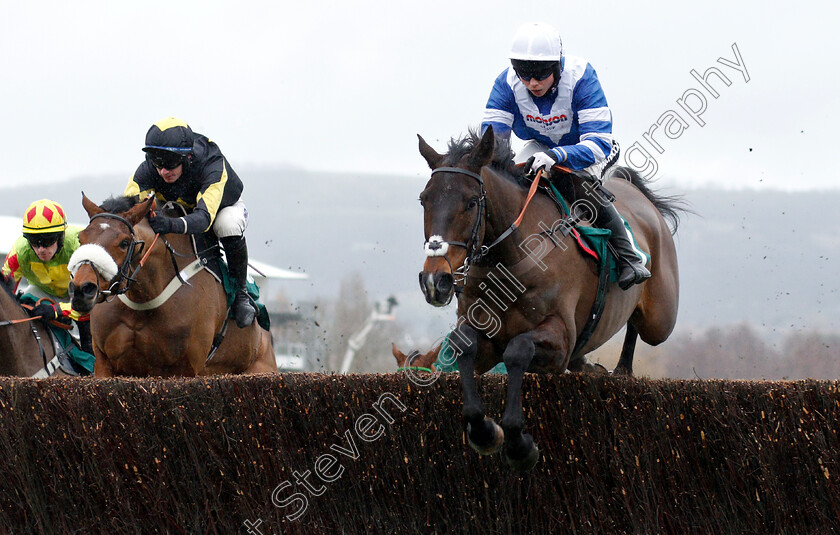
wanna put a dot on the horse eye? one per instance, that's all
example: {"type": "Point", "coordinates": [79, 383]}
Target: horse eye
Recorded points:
{"type": "Point", "coordinates": [472, 203]}
{"type": "Point", "coordinates": [124, 244]}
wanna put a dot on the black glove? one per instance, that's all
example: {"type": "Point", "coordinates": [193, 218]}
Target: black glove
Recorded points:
{"type": "Point", "coordinates": [48, 311]}
{"type": "Point", "coordinates": [165, 225]}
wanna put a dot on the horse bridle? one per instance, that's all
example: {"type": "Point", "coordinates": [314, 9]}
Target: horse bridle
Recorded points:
{"type": "Point", "coordinates": [439, 247]}
{"type": "Point", "coordinates": [123, 274]}
{"type": "Point", "coordinates": [475, 252]}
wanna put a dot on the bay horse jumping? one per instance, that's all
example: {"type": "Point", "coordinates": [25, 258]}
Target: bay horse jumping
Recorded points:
{"type": "Point", "coordinates": [524, 296]}
{"type": "Point", "coordinates": [151, 318]}
{"type": "Point", "coordinates": [26, 348]}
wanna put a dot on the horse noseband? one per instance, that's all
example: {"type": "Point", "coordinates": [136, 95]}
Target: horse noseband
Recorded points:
{"type": "Point", "coordinates": [436, 246]}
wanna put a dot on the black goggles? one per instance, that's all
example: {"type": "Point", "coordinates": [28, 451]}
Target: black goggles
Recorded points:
{"type": "Point", "coordinates": [42, 240]}
{"type": "Point", "coordinates": [165, 160]}
{"type": "Point", "coordinates": [538, 76]}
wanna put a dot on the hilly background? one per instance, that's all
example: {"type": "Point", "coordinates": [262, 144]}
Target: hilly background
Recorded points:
{"type": "Point", "coordinates": [767, 259]}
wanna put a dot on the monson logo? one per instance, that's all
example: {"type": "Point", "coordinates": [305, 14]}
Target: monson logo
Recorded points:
{"type": "Point", "coordinates": [547, 121]}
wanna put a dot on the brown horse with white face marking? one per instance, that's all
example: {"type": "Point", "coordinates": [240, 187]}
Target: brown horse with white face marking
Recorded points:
{"type": "Point", "coordinates": [144, 328]}
{"type": "Point", "coordinates": [525, 296]}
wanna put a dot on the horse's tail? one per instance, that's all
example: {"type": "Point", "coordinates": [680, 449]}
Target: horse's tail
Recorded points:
{"type": "Point", "coordinates": [670, 206]}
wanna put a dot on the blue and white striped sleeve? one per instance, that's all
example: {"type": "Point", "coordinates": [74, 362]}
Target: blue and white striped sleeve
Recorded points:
{"type": "Point", "coordinates": [594, 124]}
{"type": "Point", "coordinates": [500, 105]}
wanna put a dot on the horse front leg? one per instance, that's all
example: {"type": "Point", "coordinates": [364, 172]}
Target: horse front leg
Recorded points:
{"type": "Point", "coordinates": [520, 451]}
{"type": "Point", "coordinates": [485, 435]}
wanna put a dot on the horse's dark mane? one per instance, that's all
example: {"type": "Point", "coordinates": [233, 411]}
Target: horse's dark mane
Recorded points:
{"type": "Point", "coordinates": [502, 153]}
{"type": "Point", "coordinates": [119, 205]}
{"type": "Point", "coordinates": [669, 206]}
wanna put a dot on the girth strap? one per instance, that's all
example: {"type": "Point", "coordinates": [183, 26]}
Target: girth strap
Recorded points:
{"type": "Point", "coordinates": [49, 369]}
{"type": "Point", "coordinates": [597, 306]}
{"type": "Point", "coordinates": [40, 345]}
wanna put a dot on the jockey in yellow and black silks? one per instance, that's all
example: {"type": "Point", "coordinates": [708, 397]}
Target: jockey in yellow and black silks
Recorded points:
{"type": "Point", "coordinates": [188, 168]}
{"type": "Point", "coordinates": [40, 256]}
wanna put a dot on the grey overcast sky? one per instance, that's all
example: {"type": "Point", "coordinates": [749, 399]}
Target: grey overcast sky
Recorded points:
{"type": "Point", "coordinates": [346, 86]}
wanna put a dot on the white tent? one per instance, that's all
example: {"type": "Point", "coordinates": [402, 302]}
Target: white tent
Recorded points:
{"type": "Point", "coordinates": [259, 270]}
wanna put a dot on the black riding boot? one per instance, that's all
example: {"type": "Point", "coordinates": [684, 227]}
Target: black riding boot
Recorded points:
{"type": "Point", "coordinates": [236, 252]}
{"type": "Point", "coordinates": [632, 270]}
{"type": "Point", "coordinates": [84, 336]}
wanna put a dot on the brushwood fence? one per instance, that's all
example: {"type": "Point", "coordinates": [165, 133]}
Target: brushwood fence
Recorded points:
{"type": "Point", "coordinates": [308, 453]}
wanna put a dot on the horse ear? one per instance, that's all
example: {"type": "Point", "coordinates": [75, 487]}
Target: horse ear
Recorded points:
{"type": "Point", "coordinates": [429, 358]}
{"type": "Point", "coordinates": [139, 210]}
{"type": "Point", "coordinates": [90, 207]}
{"type": "Point", "coordinates": [399, 355]}
{"type": "Point", "coordinates": [482, 154]}
{"type": "Point", "coordinates": [432, 157]}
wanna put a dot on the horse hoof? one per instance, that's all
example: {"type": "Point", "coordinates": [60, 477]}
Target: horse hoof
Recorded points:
{"type": "Point", "coordinates": [525, 463]}
{"type": "Point", "coordinates": [488, 439]}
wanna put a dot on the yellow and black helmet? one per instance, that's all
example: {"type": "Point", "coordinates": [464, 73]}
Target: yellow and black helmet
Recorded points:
{"type": "Point", "coordinates": [44, 217]}
{"type": "Point", "coordinates": [171, 135]}
{"type": "Point", "coordinates": [169, 142]}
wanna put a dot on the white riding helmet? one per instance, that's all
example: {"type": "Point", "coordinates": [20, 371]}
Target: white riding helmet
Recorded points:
{"type": "Point", "coordinates": [536, 41]}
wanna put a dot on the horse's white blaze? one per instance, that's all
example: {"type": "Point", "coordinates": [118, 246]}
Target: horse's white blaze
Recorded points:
{"type": "Point", "coordinates": [436, 246]}
{"type": "Point", "coordinates": [97, 256]}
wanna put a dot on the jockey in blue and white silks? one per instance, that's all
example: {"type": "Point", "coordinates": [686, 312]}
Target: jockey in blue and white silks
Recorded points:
{"type": "Point", "coordinates": [556, 103]}
{"type": "Point", "coordinates": [572, 118]}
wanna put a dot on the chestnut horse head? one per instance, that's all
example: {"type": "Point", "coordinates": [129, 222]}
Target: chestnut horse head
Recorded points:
{"type": "Point", "coordinates": [110, 244]}
{"type": "Point", "coordinates": [416, 361]}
